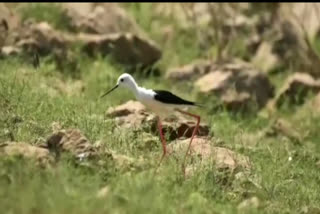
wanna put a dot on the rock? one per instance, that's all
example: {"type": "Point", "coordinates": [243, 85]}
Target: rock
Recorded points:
{"type": "Point", "coordinates": [236, 84]}
{"type": "Point", "coordinates": [284, 35]}
{"type": "Point", "coordinates": [126, 48]}
{"type": "Point", "coordinates": [133, 114]}
{"type": "Point", "coordinates": [42, 38]}
{"type": "Point", "coordinates": [249, 204]}
{"type": "Point", "coordinates": [214, 81]}
{"type": "Point", "coordinates": [303, 16]}
{"type": "Point", "coordinates": [106, 28]}
{"type": "Point", "coordinates": [225, 158]}
{"type": "Point", "coordinates": [9, 21]}
{"type": "Point", "coordinates": [290, 34]}
{"type": "Point", "coordinates": [296, 51]}
{"type": "Point", "coordinates": [9, 51]}
{"type": "Point", "coordinates": [296, 89]}
{"type": "Point", "coordinates": [99, 18]}
{"type": "Point", "coordinates": [72, 141]}
{"type": "Point", "coordinates": [200, 147]}
{"type": "Point", "coordinates": [234, 101]}
{"type": "Point", "coordinates": [125, 109]}
{"type": "Point", "coordinates": [3, 32]}
{"type": "Point", "coordinates": [274, 35]}
{"type": "Point", "coordinates": [26, 150]}
{"type": "Point", "coordinates": [135, 120]}
{"type": "Point", "coordinates": [190, 71]}
{"type": "Point", "coordinates": [179, 127]}
{"type": "Point", "coordinates": [203, 148]}
{"type": "Point", "coordinates": [5, 13]}
{"type": "Point", "coordinates": [265, 59]}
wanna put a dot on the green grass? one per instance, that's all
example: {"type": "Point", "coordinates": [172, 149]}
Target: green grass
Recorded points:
{"type": "Point", "coordinates": [51, 13]}
{"type": "Point", "coordinates": [284, 186]}
{"type": "Point", "coordinates": [31, 95]}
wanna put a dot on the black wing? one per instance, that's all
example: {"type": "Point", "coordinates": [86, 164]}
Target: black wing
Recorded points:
{"type": "Point", "coordinates": [168, 97]}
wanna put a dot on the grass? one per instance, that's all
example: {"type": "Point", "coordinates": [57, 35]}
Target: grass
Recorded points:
{"type": "Point", "coordinates": [51, 13]}
{"type": "Point", "coordinates": [282, 186]}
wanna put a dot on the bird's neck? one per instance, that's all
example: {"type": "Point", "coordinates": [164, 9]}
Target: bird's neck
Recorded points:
{"type": "Point", "coordinates": [134, 88]}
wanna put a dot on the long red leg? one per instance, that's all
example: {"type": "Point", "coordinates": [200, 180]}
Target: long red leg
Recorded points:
{"type": "Point", "coordinates": [193, 134]}
{"type": "Point", "coordinates": [163, 141]}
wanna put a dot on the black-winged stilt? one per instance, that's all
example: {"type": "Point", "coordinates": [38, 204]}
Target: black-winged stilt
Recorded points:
{"type": "Point", "coordinates": [162, 103]}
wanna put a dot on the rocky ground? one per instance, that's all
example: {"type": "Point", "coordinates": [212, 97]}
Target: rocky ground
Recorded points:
{"type": "Point", "coordinates": [255, 67]}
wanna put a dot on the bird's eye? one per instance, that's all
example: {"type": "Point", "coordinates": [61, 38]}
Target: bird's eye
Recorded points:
{"type": "Point", "coordinates": [121, 80]}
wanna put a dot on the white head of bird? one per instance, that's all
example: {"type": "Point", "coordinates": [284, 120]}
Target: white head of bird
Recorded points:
{"type": "Point", "coordinates": [126, 81]}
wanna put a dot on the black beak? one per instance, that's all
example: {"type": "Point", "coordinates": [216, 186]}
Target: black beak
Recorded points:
{"type": "Point", "coordinates": [109, 91]}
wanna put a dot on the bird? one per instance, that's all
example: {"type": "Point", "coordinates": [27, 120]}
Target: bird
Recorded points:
{"type": "Point", "coordinates": [163, 103]}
